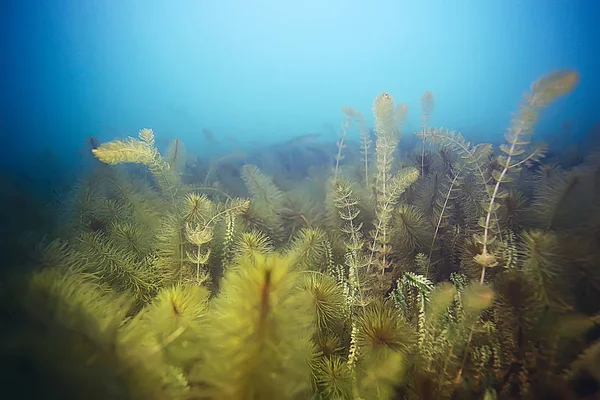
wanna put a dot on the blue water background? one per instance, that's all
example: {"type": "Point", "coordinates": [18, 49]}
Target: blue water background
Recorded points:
{"type": "Point", "coordinates": [263, 71]}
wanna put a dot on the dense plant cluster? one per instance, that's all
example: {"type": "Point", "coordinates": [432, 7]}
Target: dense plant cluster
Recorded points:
{"type": "Point", "coordinates": [458, 270]}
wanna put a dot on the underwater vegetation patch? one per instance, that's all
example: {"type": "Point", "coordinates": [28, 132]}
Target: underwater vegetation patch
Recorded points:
{"type": "Point", "coordinates": [461, 270]}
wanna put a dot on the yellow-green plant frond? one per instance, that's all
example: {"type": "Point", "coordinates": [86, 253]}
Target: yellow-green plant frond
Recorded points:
{"type": "Point", "coordinates": [233, 207]}
{"type": "Point", "coordinates": [226, 217]}
{"type": "Point", "coordinates": [347, 206]}
{"type": "Point", "coordinates": [445, 205]}
{"type": "Point", "coordinates": [434, 346]}
{"type": "Point", "coordinates": [365, 146]}
{"type": "Point", "coordinates": [430, 196]}
{"type": "Point", "coordinates": [387, 188]}
{"type": "Point", "coordinates": [559, 199]}
{"type": "Point", "coordinates": [300, 211]}
{"type": "Point", "coordinates": [174, 317]}
{"type": "Point", "coordinates": [170, 240]}
{"type": "Point", "coordinates": [64, 296]}
{"type": "Point", "coordinates": [141, 151]}
{"type": "Point", "coordinates": [469, 249]}
{"type": "Point", "coordinates": [114, 211]}
{"type": "Point", "coordinates": [73, 338]}
{"type": "Point", "coordinates": [230, 229]}
{"type": "Point", "coordinates": [427, 106]}
{"type": "Point", "coordinates": [422, 264]}
{"type": "Point", "coordinates": [198, 235]}
{"type": "Point", "coordinates": [411, 297]}
{"type": "Point", "coordinates": [472, 157]}
{"type": "Point", "coordinates": [334, 379]}
{"type": "Point", "coordinates": [411, 294]}
{"type": "Point", "coordinates": [380, 375]}
{"type": "Point", "coordinates": [512, 209]}
{"type": "Point", "coordinates": [81, 206]}
{"type": "Point", "coordinates": [259, 333]}
{"type": "Point", "coordinates": [475, 298]}
{"type": "Point", "coordinates": [411, 231]}
{"type": "Point", "coordinates": [327, 298]}
{"type": "Point", "coordinates": [440, 299]}
{"type": "Point", "coordinates": [380, 327]}
{"type": "Point", "coordinates": [471, 202]}
{"type": "Point", "coordinates": [252, 243]}
{"type": "Point", "coordinates": [516, 155]}
{"type": "Point", "coordinates": [251, 220]}
{"type": "Point", "coordinates": [517, 309]}
{"type": "Point", "coordinates": [132, 238]}
{"type": "Point", "coordinates": [128, 151]}
{"type": "Point", "coordinates": [176, 155]}
{"type": "Point", "coordinates": [340, 143]}
{"type": "Point", "coordinates": [175, 307]}
{"type": "Point", "coordinates": [510, 254]}
{"type": "Point", "coordinates": [542, 262]}
{"type": "Point", "coordinates": [267, 202]}
{"type": "Point", "coordinates": [146, 135]}
{"type": "Point", "coordinates": [548, 88]}
{"type": "Point", "coordinates": [387, 197]}
{"type": "Point", "coordinates": [403, 179]}
{"type": "Point", "coordinates": [197, 208]}
{"type": "Point", "coordinates": [383, 110]}
{"type": "Point", "coordinates": [308, 249]}
{"type": "Point", "coordinates": [348, 210]}
{"type": "Point", "coordinates": [58, 253]}
{"type": "Point", "coordinates": [328, 344]}
{"type": "Point", "coordinates": [117, 267]}
{"type": "Point", "coordinates": [141, 204]}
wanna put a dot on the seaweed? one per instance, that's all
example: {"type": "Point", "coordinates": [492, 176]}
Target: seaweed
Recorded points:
{"type": "Point", "coordinates": [452, 271]}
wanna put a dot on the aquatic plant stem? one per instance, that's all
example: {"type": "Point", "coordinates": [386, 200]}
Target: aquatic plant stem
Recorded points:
{"type": "Point", "coordinates": [340, 145]}
{"type": "Point", "coordinates": [423, 158]}
{"type": "Point", "coordinates": [464, 360]}
{"type": "Point", "coordinates": [485, 259]}
{"type": "Point", "coordinates": [437, 228]}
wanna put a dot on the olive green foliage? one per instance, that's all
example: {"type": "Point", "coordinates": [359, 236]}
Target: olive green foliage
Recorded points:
{"type": "Point", "coordinates": [259, 333]}
{"type": "Point", "coordinates": [516, 154]}
{"type": "Point", "coordinates": [460, 271]}
{"type": "Point", "coordinates": [267, 203]}
{"type": "Point", "coordinates": [75, 337]}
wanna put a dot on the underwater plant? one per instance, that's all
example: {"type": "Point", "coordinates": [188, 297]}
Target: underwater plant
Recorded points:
{"type": "Point", "coordinates": [543, 92]}
{"type": "Point", "coordinates": [443, 272]}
